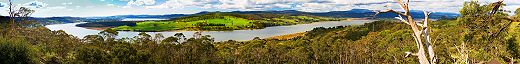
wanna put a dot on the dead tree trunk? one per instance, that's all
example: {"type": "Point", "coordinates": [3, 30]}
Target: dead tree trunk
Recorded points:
{"type": "Point", "coordinates": [420, 31]}
{"type": "Point", "coordinates": [10, 24]}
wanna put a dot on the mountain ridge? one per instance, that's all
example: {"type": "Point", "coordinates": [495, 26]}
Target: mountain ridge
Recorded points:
{"type": "Point", "coordinates": [354, 13]}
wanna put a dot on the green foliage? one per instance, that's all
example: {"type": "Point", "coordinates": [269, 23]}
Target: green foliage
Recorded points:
{"type": "Point", "coordinates": [127, 54]}
{"type": "Point", "coordinates": [17, 51]}
{"type": "Point", "coordinates": [109, 34]}
{"type": "Point", "coordinates": [517, 13]}
{"type": "Point", "coordinates": [91, 54]}
{"type": "Point", "coordinates": [170, 40]}
{"type": "Point", "coordinates": [514, 39]}
{"type": "Point", "coordinates": [483, 30]}
{"type": "Point", "coordinates": [382, 41]}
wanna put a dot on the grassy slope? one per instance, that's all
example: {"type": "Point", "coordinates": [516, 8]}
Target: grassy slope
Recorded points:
{"type": "Point", "coordinates": [228, 21]}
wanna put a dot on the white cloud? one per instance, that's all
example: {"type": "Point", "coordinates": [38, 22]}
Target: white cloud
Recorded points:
{"type": "Point", "coordinates": [111, 5]}
{"type": "Point", "coordinates": [35, 4]}
{"type": "Point", "coordinates": [69, 3]}
{"type": "Point", "coordinates": [282, 5]}
{"type": "Point", "coordinates": [141, 2]}
{"type": "Point", "coordinates": [319, 5]}
{"type": "Point", "coordinates": [185, 3]}
{"type": "Point", "coordinates": [314, 7]}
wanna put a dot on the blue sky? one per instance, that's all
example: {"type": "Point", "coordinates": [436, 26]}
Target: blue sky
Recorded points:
{"type": "Point", "coordinates": [85, 8]}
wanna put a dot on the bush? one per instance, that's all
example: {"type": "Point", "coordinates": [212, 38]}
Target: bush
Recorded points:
{"type": "Point", "coordinates": [15, 51]}
{"type": "Point", "coordinates": [91, 54]}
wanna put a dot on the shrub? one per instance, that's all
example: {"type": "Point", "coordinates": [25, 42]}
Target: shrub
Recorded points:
{"type": "Point", "coordinates": [16, 51]}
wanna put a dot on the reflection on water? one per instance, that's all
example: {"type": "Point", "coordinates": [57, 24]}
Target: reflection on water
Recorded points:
{"type": "Point", "coordinates": [239, 35]}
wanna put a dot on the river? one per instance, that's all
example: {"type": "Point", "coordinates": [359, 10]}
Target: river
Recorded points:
{"type": "Point", "coordinates": [239, 35]}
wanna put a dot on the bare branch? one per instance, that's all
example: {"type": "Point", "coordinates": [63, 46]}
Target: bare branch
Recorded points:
{"type": "Point", "coordinates": [390, 11]}
{"type": "Point", "coordinates": [401, 18]}
{"type": "Point", "coordinates": [410, 53]}
{"type": "Point", "coordinates": [426, 17]}
{"type": "Point", "coordinates": [404, 6]}
{"type": "Point", "coordinates": [420, 25]}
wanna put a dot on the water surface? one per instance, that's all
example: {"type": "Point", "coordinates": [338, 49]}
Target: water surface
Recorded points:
{"type": "Point", "coordinates": [239, 35]}
{"type": "Point", "coordinates": [141, 19]}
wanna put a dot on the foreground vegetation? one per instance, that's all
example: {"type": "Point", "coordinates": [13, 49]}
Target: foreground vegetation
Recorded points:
{"type": "Point", "coordinates": [467, 39]}
{"type": "Point", "coordinates": [223, 21]}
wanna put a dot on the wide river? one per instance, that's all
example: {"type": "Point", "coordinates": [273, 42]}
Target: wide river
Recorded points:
{"type": "Point", "coordinates": [239, 35]}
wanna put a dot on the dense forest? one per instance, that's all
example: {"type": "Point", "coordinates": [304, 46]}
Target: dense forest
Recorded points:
{"type": "Point", "coordinates": [475, 37]}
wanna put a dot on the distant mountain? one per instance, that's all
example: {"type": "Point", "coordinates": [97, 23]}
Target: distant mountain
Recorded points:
{"type": "Point", "coordinates": [354, 13]}
{"type": "Point", "coordinates": [121, 17]}
{"type": "Point", "coordinates": [364, 13]}
{"type": "Point", "coordinates": [60, 20]}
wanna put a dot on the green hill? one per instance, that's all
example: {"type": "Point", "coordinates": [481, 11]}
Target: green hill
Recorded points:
{"type": "Point", "coordinates": [223, 21]}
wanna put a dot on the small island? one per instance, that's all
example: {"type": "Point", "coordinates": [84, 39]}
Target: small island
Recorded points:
{"type": "Point", "coordinates": [222, 22]}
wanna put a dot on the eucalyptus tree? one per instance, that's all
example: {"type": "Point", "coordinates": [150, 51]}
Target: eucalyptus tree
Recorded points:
{"type": "Point", "coordinates": [420, 32]}
{"type": "Point", "coordinates": [485, 23]}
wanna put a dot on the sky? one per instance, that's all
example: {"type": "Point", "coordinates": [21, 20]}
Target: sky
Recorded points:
{"type": "Point", "coordinates": [88, 8]}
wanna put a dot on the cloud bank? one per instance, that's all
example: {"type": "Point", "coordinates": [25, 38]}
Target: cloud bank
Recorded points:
{"type": "Point", "coordinates": [83, 8]}
{"type": "Point", "coordinates": [318, 5]}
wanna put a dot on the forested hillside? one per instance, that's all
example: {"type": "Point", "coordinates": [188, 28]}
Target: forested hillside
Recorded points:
{"type": "Point", "coordinates": [477, 36]}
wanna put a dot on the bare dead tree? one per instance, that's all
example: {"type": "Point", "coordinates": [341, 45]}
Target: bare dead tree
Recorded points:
{"type": "Point", "coordinates": [10, 24]}
{"type": "Point", "coordinates": [16, 14]}
{"type": "Point", "coordinates": [420, 31]}
{"type": "Point", "coordinates": [11, 11]}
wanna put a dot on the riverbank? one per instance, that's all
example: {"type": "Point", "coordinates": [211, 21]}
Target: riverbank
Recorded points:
{"type": "Point", "coordinates": [288, 36]}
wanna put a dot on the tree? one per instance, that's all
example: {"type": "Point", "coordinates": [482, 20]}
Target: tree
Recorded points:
{"type": "Point", "coordinates": [143, 38]}
{"type": "Point", "coordinates": [197, 35]}
{"type": "Point", "coordinates": [11, 11]}
{"type": "Point", "coordinates": [420, 31]}
{"type": "Point", "coordinates": [91, 54]}
{"type": "Point", "coordinates": [109, 34]}
{"type": "Point", "coordinates": [170, 40]}
{"type": "Point", "coordinates": [158, 37]}
{"type": "Point", "coordinates": [93, 39]}
{"type": "Point", "coordinates": [23, 12]}
{"type": "Point", "coordinates": [180, 37]}
{"type": "Point", "coordinates": [487, 28]}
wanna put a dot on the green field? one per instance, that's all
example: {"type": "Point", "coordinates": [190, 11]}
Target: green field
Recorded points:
{"type": "Point", "coordinates": [228, 22]}
{"type": "Point", "coordinates": [222, 22]}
